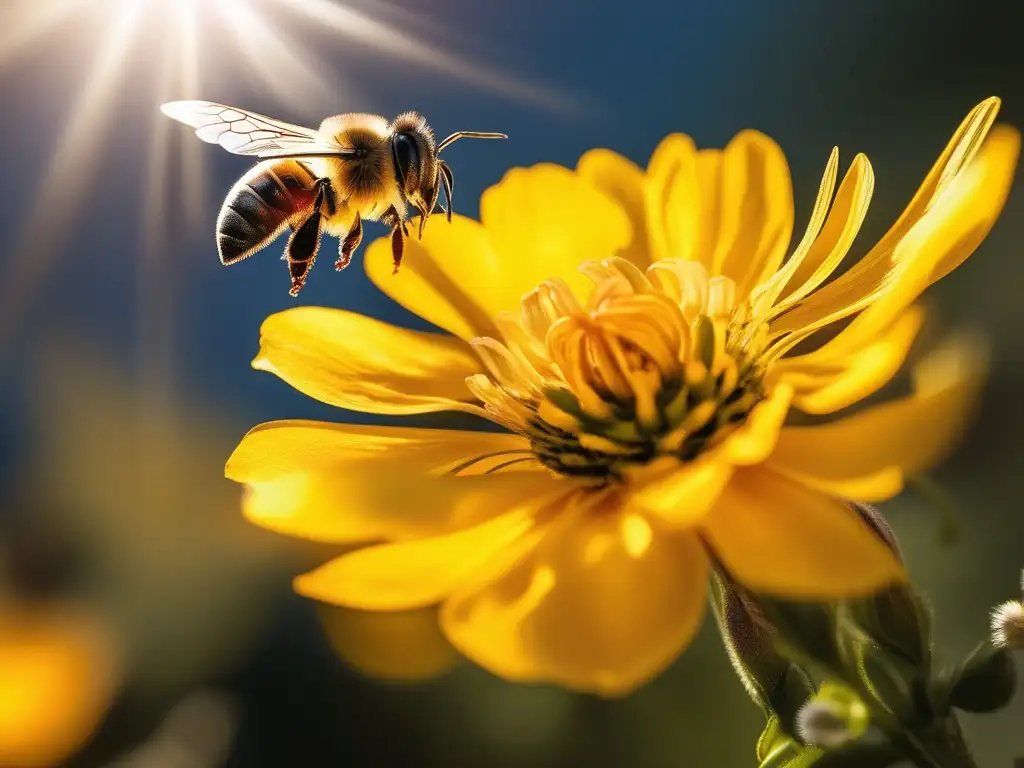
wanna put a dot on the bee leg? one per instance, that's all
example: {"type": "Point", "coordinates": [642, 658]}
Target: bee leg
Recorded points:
{"type": "Point", "coordinates": [325, 196]}
{"type": "Point", "coordinates": [397, 246]}
{"type": "Point", "coordinates": [301, 251]}
{"type": "Point", "coordinates": [398, 234]}
{"type": "Point", "coordinates": [350, 243]}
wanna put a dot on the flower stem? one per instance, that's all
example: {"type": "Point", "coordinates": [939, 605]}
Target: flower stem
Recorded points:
{"type": "Point", "coordinates": [944, 748]}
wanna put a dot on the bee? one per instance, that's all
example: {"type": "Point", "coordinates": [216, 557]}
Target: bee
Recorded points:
{"type": "Point", "coordinates": [354, 167]}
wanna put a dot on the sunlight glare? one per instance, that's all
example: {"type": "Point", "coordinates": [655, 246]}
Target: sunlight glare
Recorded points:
{"type": "Point", "coordinates": [165, 45]}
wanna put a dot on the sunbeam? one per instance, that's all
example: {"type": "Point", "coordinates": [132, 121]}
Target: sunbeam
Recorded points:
{"type": "Point", "coordinates": [67, 177]}
{"type": "Point", "coordinates": [252, 39]}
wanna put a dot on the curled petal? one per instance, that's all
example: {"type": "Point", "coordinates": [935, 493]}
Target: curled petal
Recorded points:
{"type": "Point", "coordinates": [908, 435]}
{"type": "Point", "coordinates": [452, 276]}
{"type": "Point", "coordinates": [543, 222]}
{"type": "Point", "coordinates": [351, 361]}
{"type": "Point", "coordinates": [828, 387]}
{"type": "Point", "coordinates": [777, 536]}
{"type": "Point", "coordinates": [413, 574]}
{"type": "Point", "coordinates": [348, 483]}
{"type": "Point", "coordinates": [622, 181]}
{"type": "Point", "coordinates": [602, 604]}
{"type": "Point", "coordinates": [755, 440]}
{"type": "Point", "coordinates": [399, 645]}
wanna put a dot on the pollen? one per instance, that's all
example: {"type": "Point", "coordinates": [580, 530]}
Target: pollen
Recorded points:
{"type": "Point", "coordinates": [651, 365]}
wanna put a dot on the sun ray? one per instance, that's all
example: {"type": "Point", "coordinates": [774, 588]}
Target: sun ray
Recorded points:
{"type": "Point", "coordinates": [70, 172]}
{"type": "Point", "coordinates": [257, 38]}
{"type": "Point", "coordinates": [367, 30]}
{"type": "Point", "coordinates": [192, 168]}
{"type": "Point", "coordinates": [155, 287]}
{"type": "Point", "coordinates": [26, 22]}
{"type": "Point", "coordinates": [293, 80]}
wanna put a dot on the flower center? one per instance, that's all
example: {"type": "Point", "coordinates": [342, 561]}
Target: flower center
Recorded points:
{"type": "Point", "coordinates": [651, 366]}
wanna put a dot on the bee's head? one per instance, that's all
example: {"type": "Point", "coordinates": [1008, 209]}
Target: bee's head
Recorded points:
{"type": "Point", "coordinates": [416, 165]}
{"type": "Point", "coordinates": [419, 172]}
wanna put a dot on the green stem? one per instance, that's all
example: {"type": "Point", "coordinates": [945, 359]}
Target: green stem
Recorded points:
{"type": "Point", "coordinates": [944, 748]}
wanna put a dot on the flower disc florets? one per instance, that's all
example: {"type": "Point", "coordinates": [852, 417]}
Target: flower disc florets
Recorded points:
{"type": "Point", "coordinates": [652, 365]}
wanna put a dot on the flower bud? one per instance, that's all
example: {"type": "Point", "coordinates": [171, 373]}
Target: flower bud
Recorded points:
{"type": "Point", "coordinates": [986, 681]}
{"type": "Point", "coordinates": [895, 617]}
{"type": "Point", "coordinates": [1008, 626]}
{"type": "Point", "coordinates": [833, 717]}
{"type": "Point", "coordinates": [777, 685]}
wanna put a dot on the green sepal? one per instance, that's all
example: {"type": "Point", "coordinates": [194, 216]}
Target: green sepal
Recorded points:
{"type": "Point", "coordinates": [777, 750]}
{"type": "Point", "coordinates": [860, 755]}
{"type": "Point", "coordinates": [898, 620]}
{"type": "Point", "coordinates": [806, 631]}
{"type": "Point", "coordinates": [777, 685]}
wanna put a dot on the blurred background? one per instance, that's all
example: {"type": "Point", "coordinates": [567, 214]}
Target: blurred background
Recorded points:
{"type": "Point", "coordinates": [153, 626]}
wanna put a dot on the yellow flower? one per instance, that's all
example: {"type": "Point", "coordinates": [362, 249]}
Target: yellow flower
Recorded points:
{"type": "Point", "coordinates": [638, 335]}
{"type": "Point", "coordinates": [58, 677]}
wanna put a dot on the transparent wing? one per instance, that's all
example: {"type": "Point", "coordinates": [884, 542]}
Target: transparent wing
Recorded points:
{"type": "Point", "coordinates": [249, 133]}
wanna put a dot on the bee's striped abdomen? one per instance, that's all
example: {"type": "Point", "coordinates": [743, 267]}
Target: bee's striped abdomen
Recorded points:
{"type": "Point", "coordinates": [264, 201]}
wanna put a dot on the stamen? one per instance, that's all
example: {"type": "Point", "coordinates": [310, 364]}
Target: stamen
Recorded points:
{"type": "Point", "coordinates": [651, 368]}
{"type": "Point", "coordinates": [504, 464]}
{"type": "Point", "coordinates": [483, 457]}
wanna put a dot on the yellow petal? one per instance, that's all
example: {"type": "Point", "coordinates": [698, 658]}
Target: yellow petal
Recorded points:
{"type": "Point", "coordinates": [764, 295]}
{"type": "Point", "coordinates": [756, 211]}
{"type": "Point", "coordinates": [777, 536]}
{"type": "Point", "coordinates": [943, 238]}
{"type": "Point", "coordinates": [910, 434]}
{"type": "Point", "coordinates": [351, 361]}
{"type": "Point", "coordinates": [414, 574]}
{"type": "Point", "coordinates": [672, 201]}
{"type": "Point", "coordinates": [623, 181]}
{"type": "Point", "coordinates": [879, 486]}
{"type": "Point", "coordinates": [400, 645]}
{"type": "Point", "coordinates": [755, 440]}
{"type": "Point", "coordinates": [679, 494]}
{"type": "Point", "coordinates": [603, 604]}
{"type": "Point", "coordinates": [452, 277]}
{"type": "Point", "coordinates": [858, 286]}
{"type": "Point", "coordinates": [348, 483]}
{"type": "Point", "coordinates": [837, 235]}
{"type": "Point", "coordinates": [859, 374]}
{"type": "Point", "coordinates": [543, 222]}
{"type": "Point", "coordinates": [57, 680]}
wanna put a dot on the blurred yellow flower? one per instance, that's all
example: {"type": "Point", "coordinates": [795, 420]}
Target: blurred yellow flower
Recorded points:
{"type": "Point", "coordinates": [133, 480]}
{"type": "Point", "coordinates": [58, 676]}
{"type": "Point", "coordinates": [638, 335]}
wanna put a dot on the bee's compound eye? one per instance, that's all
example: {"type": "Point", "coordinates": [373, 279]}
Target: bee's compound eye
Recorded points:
{"type": "Point", "coordinates": [407, 156]}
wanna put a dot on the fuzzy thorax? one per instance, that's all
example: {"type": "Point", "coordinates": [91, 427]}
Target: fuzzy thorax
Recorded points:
{"type": "Point", "coordinates": [648, 367]}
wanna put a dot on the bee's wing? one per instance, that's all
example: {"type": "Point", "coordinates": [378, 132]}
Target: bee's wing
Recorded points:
{"type": "Point", "coordinates": [249, 133]}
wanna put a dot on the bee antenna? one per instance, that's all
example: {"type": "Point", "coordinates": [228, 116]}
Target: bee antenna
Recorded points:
{"type": "Point", "coordinates": [469, 135]}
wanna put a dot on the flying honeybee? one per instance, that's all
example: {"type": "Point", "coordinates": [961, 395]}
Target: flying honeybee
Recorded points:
{"type": "Point", "coordinates": [355, 166]}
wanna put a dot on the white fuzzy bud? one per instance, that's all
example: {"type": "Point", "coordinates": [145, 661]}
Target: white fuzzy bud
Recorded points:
{"type": "Point", "coordinates": [1008, 625]}
{"type": "Point", "coordinates": [822, 724]}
